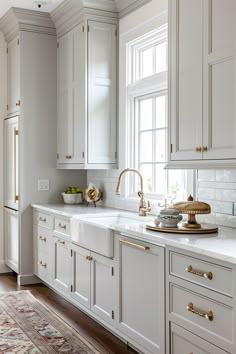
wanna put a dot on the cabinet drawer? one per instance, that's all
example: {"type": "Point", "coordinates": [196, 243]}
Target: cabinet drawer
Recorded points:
{"type": "Point", "coordinates": [44, 267]}
{"type": "Point", "coordinates": [62, 226]}
{"type": "Point", "coordinates": [43, 239]}
{"type": "Point", "coordinates": [183, 341]}
{"type": "Point", "coordinates": [188, 308]}
{"type": "Point", "coordinates": [210, 275]}
{"type": "Point", "coordinates": [43, 219]}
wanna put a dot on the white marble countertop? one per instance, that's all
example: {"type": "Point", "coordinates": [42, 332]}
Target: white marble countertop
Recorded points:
{"type": "Point", "coordinates": [221, 245]}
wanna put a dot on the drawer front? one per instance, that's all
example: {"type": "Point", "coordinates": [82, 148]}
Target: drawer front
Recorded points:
{"type": "Point", "coordinates": [43, 219]}
{"type": "Point", "coordinates": [43, 239]}
{"type": "Point", "coordinates": [62, 226]}
{"type": "Point", "coordinates": [188, 308]}
{"type": "Point", "coordinates": [44, 267]}
{"type": "Point", "coordinates": [183, 341]}
{"type": "Point", "coordinates": [207, 274]}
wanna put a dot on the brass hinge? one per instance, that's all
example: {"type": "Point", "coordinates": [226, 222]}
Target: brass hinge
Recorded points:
{"type": "Point", "coordinates": [57, 44]}
{"type": "Point", "coordinates": [113, 314]}
{"type": "Point", "coordinates": [112, 271]}
{"type": "Point", "coordinates": [71, 288]}
{"type": "Point", "coordinates": [17, 132]}
{"type": "Point", "coordinates": [171, 148]}
{"type": "Point", "coordinates": [58, 155]}
{"type": "Point", "coordinates": [18, 41]}
{"type": "Point", "coordinates": [17, 197]}
{"type": "Point", "coordinates": [71, 253]}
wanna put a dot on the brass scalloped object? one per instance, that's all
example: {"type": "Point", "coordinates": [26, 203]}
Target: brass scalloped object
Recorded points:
{"type": "Point", "coordinates": [192, 208]}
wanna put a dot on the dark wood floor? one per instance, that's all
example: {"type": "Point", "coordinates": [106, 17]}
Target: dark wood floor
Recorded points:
{"type": "Point", "coordinates": [104, 341]}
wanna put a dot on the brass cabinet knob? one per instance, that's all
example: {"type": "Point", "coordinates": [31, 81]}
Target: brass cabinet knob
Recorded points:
{"type": "Point", "coordinates": [68, 157]}
{"type": "Point", "coordinates": [204, 149]}
{"type": "Point", "coordinates": [198, 149]}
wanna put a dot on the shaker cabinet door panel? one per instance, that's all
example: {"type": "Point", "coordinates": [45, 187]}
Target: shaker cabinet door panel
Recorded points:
{"type": "Point", "coordinates": [13, 76]}
{"type": "Point", "coordinates": [61, 264]}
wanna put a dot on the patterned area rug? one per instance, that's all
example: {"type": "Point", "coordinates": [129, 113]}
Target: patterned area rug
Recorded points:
{"type": "Point", "coordinates": [28, 327]}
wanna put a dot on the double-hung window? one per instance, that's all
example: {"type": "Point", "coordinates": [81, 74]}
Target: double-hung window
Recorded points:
{"type": "Point", "coordinates": [147, 118]}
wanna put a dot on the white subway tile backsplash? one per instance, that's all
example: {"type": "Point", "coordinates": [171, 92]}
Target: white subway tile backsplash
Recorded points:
{"type": "Point", "coordinates": [226, 175]}
{"type": "Point", "coordinates": [206, 175]}
{"type": "Point", "coordinates": [226, 195]}
{"type": "Point", "coordinates": [222, 207]}
{"type": "Point", "coordinates": [206, 193]}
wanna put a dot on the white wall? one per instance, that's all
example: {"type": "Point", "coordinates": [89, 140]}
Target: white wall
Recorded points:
{"type": "Point", "coordinates": [139, 21]}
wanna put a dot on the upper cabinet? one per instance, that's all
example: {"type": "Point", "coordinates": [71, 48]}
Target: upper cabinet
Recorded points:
{"type": "Point", "coordinates": [202, 67]}
{"type": "Point", "coordinates": [13, 76]}
{"type": "Point", "coordinates": [87, 108]}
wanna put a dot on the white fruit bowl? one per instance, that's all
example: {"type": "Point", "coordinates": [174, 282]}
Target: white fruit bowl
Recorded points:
{"type": "Point", "coordinates": [72, 198]}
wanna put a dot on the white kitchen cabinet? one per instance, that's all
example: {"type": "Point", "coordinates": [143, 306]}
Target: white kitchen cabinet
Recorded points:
{"type": "Point", "coordinates": [11, 163]}
{"type": "Point", "coordinates": [61, 258]}
{"type": "Point", "coordinates": [11, 231]}
{"type": "Point", "coordinates": [13, 76]}
{"type": "Point", "coordinates": [43, 253]}
{"type": "Point", "coordinates": [202, 82]}
{"type": "Point", "coordinates": [87, 97]}
{"type": "Point", "coordinates": [92, 282]}
{"type": "Point", "coordinates": [140, 287]}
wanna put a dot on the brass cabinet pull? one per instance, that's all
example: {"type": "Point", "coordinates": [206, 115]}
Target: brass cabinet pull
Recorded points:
{"type": "Point", "coordinates": [198, 149]}
{"type": "Point", "coordinates": [42, 219]}
{"type": "Point", "coordinates": [16, 198]}
{"type": "Point", "coordinates": [62, 226]}
{"type": "Point", "coordinates": [89, 258]}
{"type": "Point", "coordinates": [61, 242]}
{"type": "Point", "coordinates": [41, 238]}
{"type": "Point", "coordinates": [207, 315]}
{"type": "Point", "coordinates": [207, 275]}
{"type": "Point", "coordinates": [68, 157]}
{"type": "Point", "coordinates": [42, 264]}
{"type": "Point", "coordinates": [204, 149]}
{"type": "Point", "coordinates": [145, 248]}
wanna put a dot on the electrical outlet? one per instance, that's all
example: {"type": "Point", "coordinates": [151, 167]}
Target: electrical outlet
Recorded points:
{"type": "Point", "coordinates": [43, 184]}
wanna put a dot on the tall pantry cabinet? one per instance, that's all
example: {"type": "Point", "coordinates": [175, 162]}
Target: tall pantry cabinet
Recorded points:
{"type": "Point", "coordinates": [29, 146]}
{"type": "Point", "coordinates": [87, 70]}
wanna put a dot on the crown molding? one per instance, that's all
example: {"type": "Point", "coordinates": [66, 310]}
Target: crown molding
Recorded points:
{"type": "Point", "coordinates": [125, 7]}
{"type": "Point", "coordinates": [17, 19]}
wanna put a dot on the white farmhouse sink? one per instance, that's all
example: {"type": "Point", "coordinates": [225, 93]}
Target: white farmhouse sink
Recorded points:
{"type": "Point", "coordinates": [95, 231]}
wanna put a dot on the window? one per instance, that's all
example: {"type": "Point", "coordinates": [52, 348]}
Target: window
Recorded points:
{"type": "Point", "coordinates": [147, 117]}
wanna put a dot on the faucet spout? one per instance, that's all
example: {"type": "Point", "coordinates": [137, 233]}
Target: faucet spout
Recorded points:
{"type": "Point", "coordinates": [142, 205]}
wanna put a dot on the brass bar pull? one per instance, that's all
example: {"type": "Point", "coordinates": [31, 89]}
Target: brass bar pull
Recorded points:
{"type": "Point", "coordinates": [198, 149]}
{"type": "Point", "coordinates": [16, 198]}
{"type": "Point", "coordinates": [207, 275]}
{"type": "Point", "coordinates": [62, 226]}
{"type": "Point", "coordinates": [41, 238]}
{"type": "Point", "coordinates": [204, 149]}
{"type": "Point", "coordinates": [42, 219]}
{"type": "Point", "coordinates": [207, 315]}
{"type": "Point", "coordinates": [145, 248]}
{"type": "Point", "coordinates": [89, 258]}
{"type": "Point", "coordinates": [42, 264]}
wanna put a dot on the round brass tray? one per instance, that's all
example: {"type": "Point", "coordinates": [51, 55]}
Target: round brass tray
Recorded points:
{"type": "Point", "coordinates": [205, 229]}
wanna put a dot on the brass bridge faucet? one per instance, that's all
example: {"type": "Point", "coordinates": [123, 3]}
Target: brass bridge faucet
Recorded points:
{"type": "Point", "coordinates": [144, 206]}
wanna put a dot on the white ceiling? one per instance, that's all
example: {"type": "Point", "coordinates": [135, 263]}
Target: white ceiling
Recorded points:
{"type": "Point", "coordinates": [27, 4]}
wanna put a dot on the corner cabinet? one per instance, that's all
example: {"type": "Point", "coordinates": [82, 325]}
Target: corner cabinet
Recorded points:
{"type": "Point", "coordinates": [202, 68]}
{"type": "Point", "coordinates": [86, 130]}
{"type": "Point", "coordinates": [141, 293]}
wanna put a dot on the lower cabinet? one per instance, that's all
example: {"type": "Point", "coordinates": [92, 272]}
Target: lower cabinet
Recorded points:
{"type": "Point", "coordinates": [61, 275]}
{"type": "Point", "coordinates": [92, 282]}
{"type": "Point", "coordinates": [140, 289]}
{"type": "Point", "coordinates": [11, 239]}
{"type": "Point", "coordinates": [43, 253]}
{"type": "Point", "coordinates": [183, 341]}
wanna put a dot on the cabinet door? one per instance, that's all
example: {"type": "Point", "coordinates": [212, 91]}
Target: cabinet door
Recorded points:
{"type": "Point", "coordinates": [102, 42]}
{"type": "Point", "coordinates": [13, 76]}
{"type": "Point", "coordinates": [185, 47]}
{"type": "Point", "coordinates": [141, 293]}
{"type": "Point", "coordinates": [71, 97]}
{"type": "Point", "coordinates": [61, 264]}
{"type": "Point", "coordinates": [11, 228]}
{"type": "Point", "coordinates": [81, 269]}
{"type": "Point", "coordinates": [219, 133]}
{"type": "Point", "coordinates": [183, 341]}
{"type": "Point", "coordinates": [102, 284]}
{"type": "Point", "coordinates": [43, 253]}
{"type": "Point", "coordinates": [11, 162]}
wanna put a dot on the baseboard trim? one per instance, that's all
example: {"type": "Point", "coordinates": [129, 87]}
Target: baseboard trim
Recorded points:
{"type": "Point", "coordinates": [4, 268]}
{"type": "Point", "coordinates": [27, 279]}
